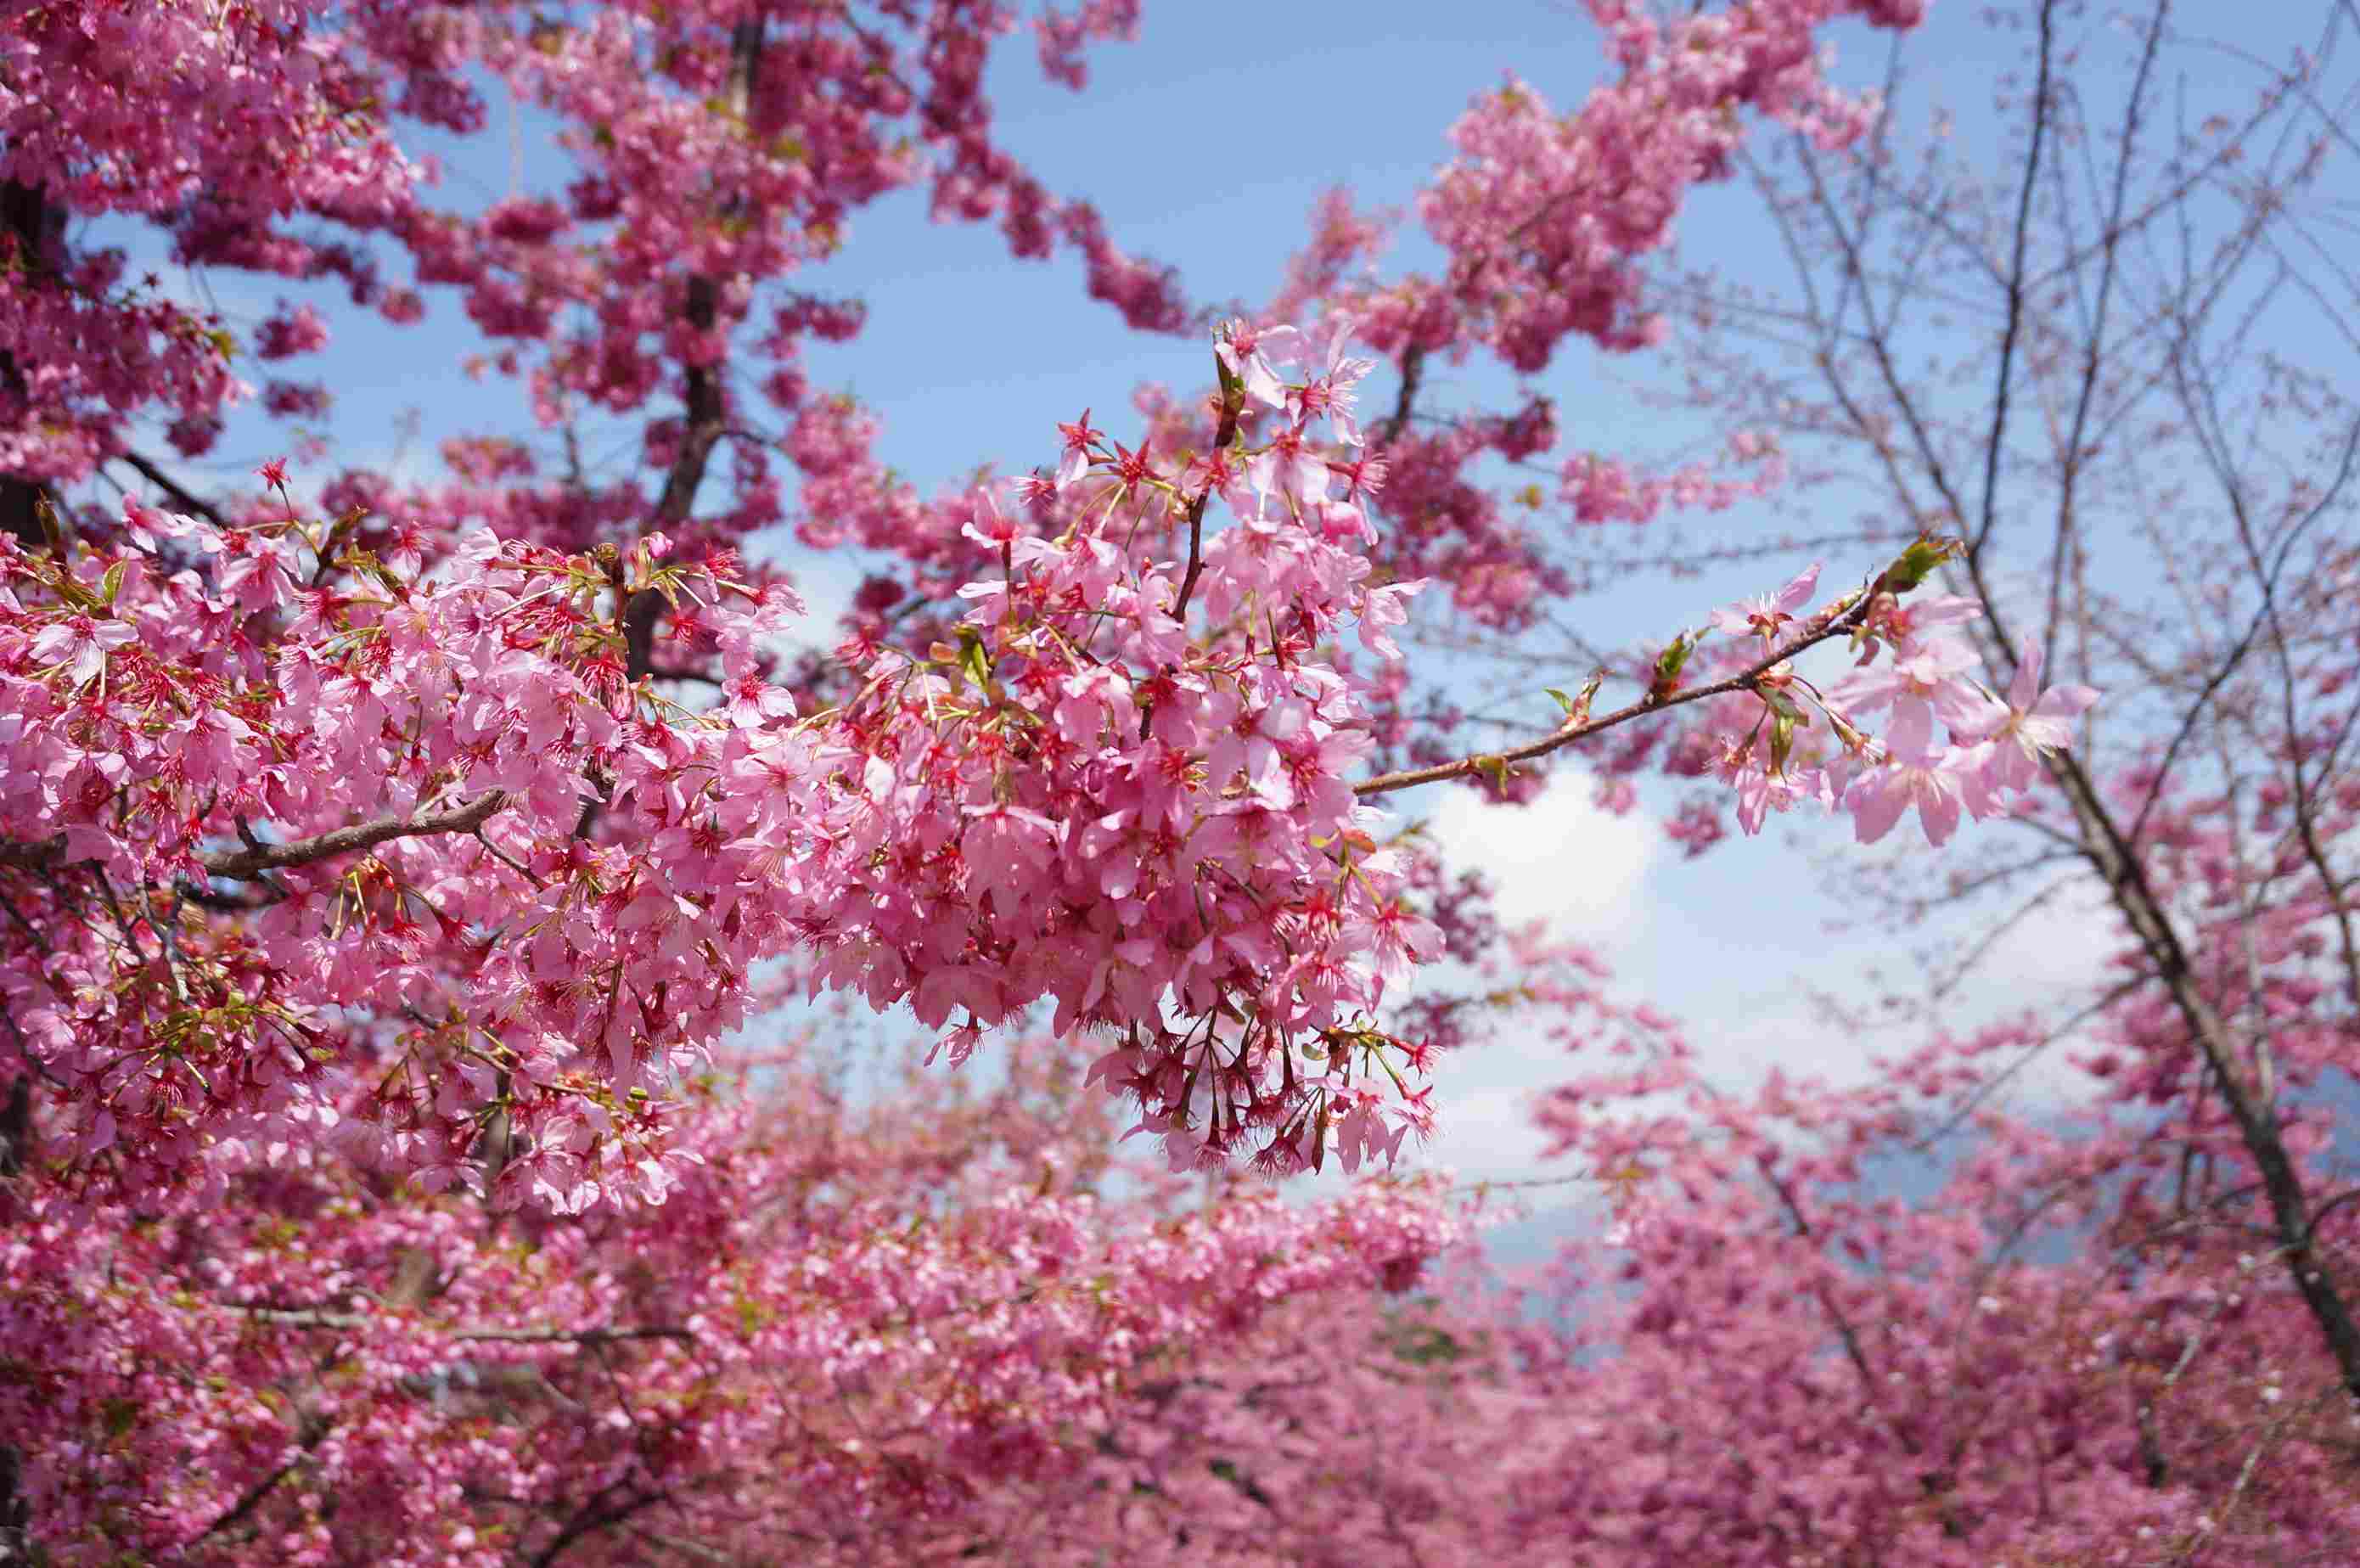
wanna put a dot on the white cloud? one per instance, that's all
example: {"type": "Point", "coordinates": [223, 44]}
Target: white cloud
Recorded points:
{"type": "Point", "coordinates": [1561, 858]}
{"type": "Point", "coordinates": [1488, 1133]}
{"type": "Point", "coordinates": [2065, 944]}
{"type": "Point", "coordinates": [1732, 946]}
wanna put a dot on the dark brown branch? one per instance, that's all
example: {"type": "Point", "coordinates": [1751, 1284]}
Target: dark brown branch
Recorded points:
{"type": "Point", "coordinates": [592, 1519]}
{"type": "Point", "coordinates": [33, 855]}
{"type": "Point", "coordinates": [2077, 437]}
{"type": "Point", "coordinates": [246, 862]}
{"type": "Point", "coordinates": [2257, 1119]}
{"type": "Point", "coordinates": [1223, 434]}
{"type": "Point", "coordinates": [1934, 1483]}
{"type": "Point", "coordinates": [2109, 852]}
{"type": "Point", "coordinates": [1413, 371]}
{"type": "Point", "coordinates": [312, 1430]}
{"type": "Point", "coordinates": [697, 1549]}
{"type": "Point", "coordinates": [1655, 701]}
{"type": "Point", "coordinates": [15, 1125]}
{"type": "Point", "coordinates": [2042, 109]}
{"type": "Point", "coordinates": [348, 1323]}
{"type": "Point", "coordinates": [179, 494]}
{"type": "Point", "coordinates": [30, 227]}
{"type": "Point", "coordinates": [268, 892]}
{"type": "Point", "coordinates": [706, 421]}
{"type": "Point", "coordinates": [2107, 835]}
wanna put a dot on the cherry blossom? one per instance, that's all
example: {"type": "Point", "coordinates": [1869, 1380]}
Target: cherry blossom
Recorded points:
{"type": "Point", "coordinates": [400, 885]}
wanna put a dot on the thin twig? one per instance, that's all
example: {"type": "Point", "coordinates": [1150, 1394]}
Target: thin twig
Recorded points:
{"type": "Point", "coordinates": [1655, 701]}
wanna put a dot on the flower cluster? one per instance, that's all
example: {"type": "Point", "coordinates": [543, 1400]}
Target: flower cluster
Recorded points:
{"type": "Point", "coordinates": [1992, 753]}
{"type": "Point", "coordinates": [313, 838]}
{"type": "Point", "coordinates": [333, 850]}
{"type": "Point", "coordinates": [197, 1386]}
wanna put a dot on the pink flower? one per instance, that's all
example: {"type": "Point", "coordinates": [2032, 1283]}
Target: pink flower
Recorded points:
{"type": "Point", "coordinates": [1382, 609]}
{"type": "Point", "coordinates": [752, 702]}
{"type": "Point", "coordinates": [1252, 742]}
{"type": "Point", "coordinates": [83, 642]}
{"type": "Point", "coordinates": [1766, 615]}
{"type": "Point", "coordinates": [1079, 441]}
{"type": "Point", "coordinates": [1249, 351]}
{"type": "Point", "coordinates": [2033, 722]}
{"type": "Point", "coordinates": [991, 527]}
{"type": "Point", "coordinates": [1933, 782]}
{"type": "Point", "coordinates": [1922, 681]}
{"type": "Point", "coordinates": [1331, 392]}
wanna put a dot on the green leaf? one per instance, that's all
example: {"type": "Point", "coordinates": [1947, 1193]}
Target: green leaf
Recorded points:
{"type": "Point", "coordinates": [1916, 563]}
{"type": "Point", "coordinates": [974, 661]}
{"type": "Point", "coordinates": [1672, 660]}
{"type": "Point", "coordinates": [1577, 708]}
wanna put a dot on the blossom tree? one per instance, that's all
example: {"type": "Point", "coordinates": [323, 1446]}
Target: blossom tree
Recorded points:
{"type": "Point", "coordinates": [385, 879]}
{"type": "Point", "coordinates": [2173, 409]}
{"type": "Point", "coordinates": [2071, 1284]}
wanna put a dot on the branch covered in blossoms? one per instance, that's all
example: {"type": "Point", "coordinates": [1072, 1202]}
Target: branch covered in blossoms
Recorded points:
{"type": "Point", "coordinates": [1082, 799]}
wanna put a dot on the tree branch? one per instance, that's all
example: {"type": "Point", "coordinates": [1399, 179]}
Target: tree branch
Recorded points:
{"type": "Point", "coordinates": [352, 1322]}
{"type": "Point", "coordinates": [249, 862]}
{"type": "Point", "coordinates": [313, 1429]}
{"type": "Point", "coordinates": [706, 422]}
{"type": "Point", "coordinates": [1223, 434]}
{"type": "Point", "coordinates": [180, 495]}
{"type": "Point", "coordinates": [1654, 702]}
{"type": "Point", "coordinates": [2043, 107]}
{"type": "Point", "coordinates": [1413, 372]}
{"type": "Point", "coordinates": [257, 857]}
{"type": "Point", "coordinates": [31, 226]}
{"type": "Point", "coordinates": [592, 1519]}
